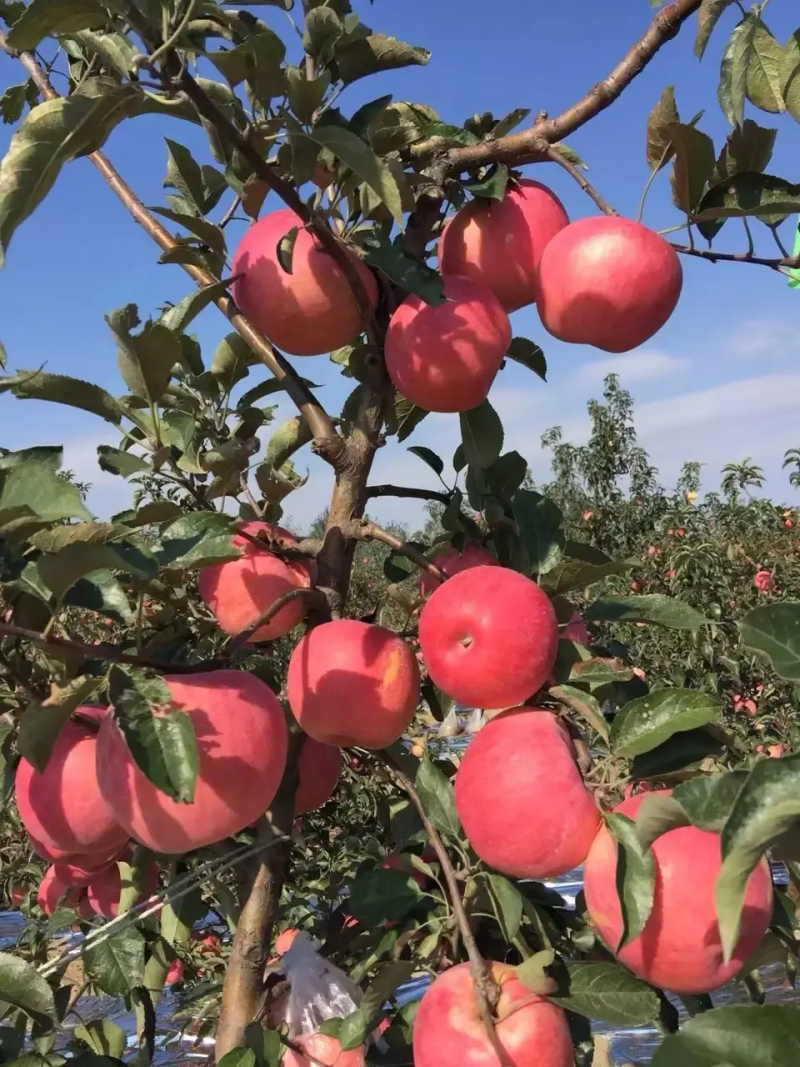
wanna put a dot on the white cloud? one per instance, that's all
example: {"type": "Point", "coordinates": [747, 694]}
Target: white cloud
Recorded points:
{"type": "Point", "coordinates": [632, 367]}
{"type": "Point", "coordinates": [761, 337]}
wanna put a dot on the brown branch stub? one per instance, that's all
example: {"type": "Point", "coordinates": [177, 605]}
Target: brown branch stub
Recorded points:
{"type": "Point", "coordinates": [365, 530]}
{"type": "Point", "coordinates": [556, 157]}
{"type": "Point", "coordinates": [532, 145]}
{"type": "Point", "coordinates": [406, 493]}
{"type": "Point", "coordinates": [312, 596]}
{"type": "Point", "coordinates": [782, 264]}
{"type": "Point", "coordinates": [486, 991]}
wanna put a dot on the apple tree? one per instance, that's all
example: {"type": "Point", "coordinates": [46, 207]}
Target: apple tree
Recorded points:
{"type": "Point", "coordinates": [186, 684]}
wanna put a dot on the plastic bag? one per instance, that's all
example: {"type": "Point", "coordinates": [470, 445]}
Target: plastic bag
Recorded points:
{"type": "Point", "coordinates": [318, 989]}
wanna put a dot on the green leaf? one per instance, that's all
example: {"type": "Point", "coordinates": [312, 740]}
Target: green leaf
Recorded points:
{"type": "Point", "coordinates": [510, 121]}
{"type": "Point", "coordinates": [179, 916]}
{"type": "Point", "coordinates": [647, 722]}
{"type": "Point", "coordinates": [12, 103]}
{"type": "Point", "coordinates": [43, 721]}
{"type": "Point", "coordinates": [23, 987]}
{"type": "Point", "coordinates": [196, 540]}
{"type": "Point", "coordinates": [116, 963]}
{"type": "Point", "coordinates": [60, 389]}
{"type": "Point", "coordinates": [146, 359]}
{"type": "Point", "coordinates": [765, 71]}
{"type": "Point", "coordinates": [322, 30]}
{"type": "Point", "coordinates": [115, 461]}
{"type": "Point", "coordinates": [100, 592]}
{"type": "Point", "coordinates": [733, 76]}
{"type": "Point", "coordinates": [773, 631]}
{"type": "Point", "coordinates": [735, 1035]}
{"type": "Point", "coordinates": [436, 793]}
{"type": "Point", "coordinates": [761, 195]}
{"type": "Point", "coordinates": [185, 176]}
{"type": "Point", "coordinates": [767, 806]}
{"type": "Point", "coordinates": [492, 186]}
{"type": "Point", "coordinates": [576, 574]}
{"type": "Point", "coordinates": [103, 1037]}
{"type": "Point", "coordinates": [659, 148]}
{"type": "Point", "coordinates": [58, 537]}
{"type": "Point", "coordinates": [653, 608]}
{"type": "Point", "coordinates": [291, 436]}
{"type": "Point", "coordinates": [530, 355]}
{"type": "Point", "coordinates": [636, 878]}
{"type": "Point", "coordinates": [694, 164]}
{"type": "Point", "coordinates": [231, 360]}
{"type": "Point", "coordinates": [114, 51]}
{"type": "Point", "coordinates": [43, 18]}
{"type": "Point", "coordinates": [52, 455]}
{"type": "Point", "coordinates": [683, 750]}
{"type": "Point", "coordinates": [35, 489]}
{"type": "Point", "coordinates": [238, 1057]}
{"type": "Point", "coordinates": [541, 528]}
{"type": "Point", "coordinates": [791, 75]}
{"type": "Point", "coordinates": [405, 418]}
{"type": "Point", "coordinates": [267, 388]}
{"type": "Point", "coordinates": [50, 135]}
{"type": "Point", "coordinates": [285, 249]}
{"type": "Point", "coordinates": [609, 993]}
{"type": "Point", "coordinates": [205, 231]}
{"type": "Point", "coordinates": [364, 163]}
{"type": "Point", "coordinates": [507, 903]}
{"type": "Point", "coordinates": [305, 96]}
{"type": "Point", "coordinates": [586, 705]}
{"type": "Point", "coordinates": [409, 272]}
{"type": "Point", "coordinates": [178, 317]}
{"type": "Point", "coordinates": [257, 60]}
{"type": "Point", "coordinates": [382, 896]}
{"type": "Point", "coordinates": [482, 435]}
{"type": "Point", "coordinates": [427, 455]}
{"type": "Point", "coordinates": [708, 799]}
{"type": "Point", "coordinates": [161, 739]}
{"type": "Point", "coordinates": [707, 18]}
{"type": "Point", "coordinates": [61, 570]}
{"type": "Point", "coordinates": [506, 475]}
{"type": "Point", "coordinates": [748, 149]}
{"type": "Point", "coordinates": [375, 53]}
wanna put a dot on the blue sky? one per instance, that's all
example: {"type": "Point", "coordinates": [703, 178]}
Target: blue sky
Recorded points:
{"type": "Point", "coordinates": [716, 384]}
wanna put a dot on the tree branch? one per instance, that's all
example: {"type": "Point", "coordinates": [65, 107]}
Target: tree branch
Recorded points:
{"type": "Point", "coordinates": [364, 530]}
{"type": "Point", "coordinates": [107, 653]}
{"type": "Point", "coordinates": [327, 441]}
{"type": "Point", "coordinates": [313, 596]}
{"type": "Point", "coordinates": [572, 170]}
{"type": "Point", "coordinates": [781, 264]}
{"type": "Point", "coordinates": [406, 493]}
{"type": "Point", "coordinates": [532, 145]}
{"type": "Point", "coordinates": [486, 991]}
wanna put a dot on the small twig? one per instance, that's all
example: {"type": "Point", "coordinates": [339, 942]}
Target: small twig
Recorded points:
{"type": "Point", "coordinates": [313, 596]}
{"type": "Point", "coordinates": [406, 493]}
{"type": "Point", "coordinates": [791, 262]}
{"type": "Point", "coordinates": [486, 991]}
{"type": "Point", "coordinates": [107, 653]}
{"type": "Point", "coordinates": [556, 157]}
{"type": "Point", "coordinates": [308, 548]}
{"type": "Point", "coordinates": [365, 530]}
{"type": "Point", "coordinates": [174, 37]}
{"type": "Point", "coordinates": [226, 218]}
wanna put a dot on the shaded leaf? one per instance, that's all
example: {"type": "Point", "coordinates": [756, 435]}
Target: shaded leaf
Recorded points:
{"type": "Point", "coordinates": [647, 722]}
{"type": "Point", "coordinates": [60, 389]}
{"type": "Point", "coordinates": [767, 806]}
{"type": "Point", "coordinates": [58, 537]}
{"type": "Point", "coordinates": [708, 800]}
{"type": "Point", "coordinates": [481, 434]}
{"type": "Point", "coordinates": [61, 570]}
{"type": "Point", "coordinates": [791, 75]}
{"type": "Point", "coordinates": [506, 475]}
{"type": "Point", "coordinates": [374, 53]}
{"type": "Point", "coordinates": [160, 738]}
{"type": "Point", "coordinates": [285, 249]}
{"type": "Point", "coordinates": [179, 916]}
{"type": "Point", "coordinates": [101, 592]}
{"type": "Point", "coordinates": [693, 165]}
{"type": "Point", "coordinates": [707, 18]}
{"type": "Point", "coordinates": [427, 455]}
{"type": "Point", "coordinates": [322, 30]}
{"type": "Point", "coordinates": [361, 159]}
{"type": "Point", "coordinates": [765, 76]}
{"type": "Point", "coordinates": [530, 355]}
{"type": "Point", "coordinates": [681, 751]}
{"type": "Point", "coordinates": [179, 316]}
{"type": "Point", "coordinates": [115, 461]}
{"type": "Point", "coordinates": [736, 1035]}
{"type": "Point", "coordinates": [42, 721]}
{"type": "Point", "coordinates": [733, 76]}
{"type": "Point", "coordinates": [34, 488]}
{"type": "Point", "coordinates": [659, 148]}
{"type": "Point", "coordinates": [748, 149]}
{"type": "Point", "coordinates": [43, 18]}
{"type": "Point", "coordinates": [764, 196]}
{"type": "Point", "coordinates": [185, 176]}
{"type": "Point", "coordinates": [653, 608]}
{"type": "Point", "coordinates": [635, 878]}
{"type": "Point", "coordinates": [610, 993]}
{"type": "Point", "coordinates": [576, 574]}
{"type": "Point", "coordinates": [436, 793]}
{"type": "Point", "coordinates": [205, 231]}
{"type": "Point", "coordinates": [409, 272]}
{"type": "Point", "coordinates": [103, 1037]}
{"type": "Point", "coordinates": [116, 963]}
{"type": "Point", "coordinates": [405, 418]}
{"type": "Point", "coordinates": [231, 360]}
{"type": "Point", "coordinates": [773, 631]}
{"type": "Point", "coordinates": [382, 896]}
{"type": "Point", "coordinates": [510, 121]}
{"type": "Point", "coordinates": [23, 987]}
{"type": "Point", "coordinates": [145, 360]}
{"type": "Point", "coordinates": [291, 436]}
{"type": "Point", "coordinates": [541, 529]}
{"type": "Point", "coordinates": [507, 903]}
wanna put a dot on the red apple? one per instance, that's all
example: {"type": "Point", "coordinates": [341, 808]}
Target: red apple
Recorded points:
{"type": "Point", "coordinates": [531, 751]}
{"type": "Point", "coordinates": [449, 1030]}
{"type": "Point", "coordinates": [451, 561]}
{"type": "Point", "coordinates": [239, 591]}
{"type": "Point", "coordinates": [73, 872]}
{"type": "Point", "coordinates": [308, 312]}
{"type": "Point", "coordinates": [242, 740]}
{"type": "Point", "coordinates": [575, 630]}
{"type": "Point", "coordinates": [500, 243]}
{"type": "Point", "coordinates": [608, 282]}
{"type": "Point", "coordinates": [445, 357]}
{"type": "Point", "coordinates": [53, 893]}
{"type": "Point", "coordinates": [104, 890]}
{"type": "Point", "coordinates": [679, 948]}
{"type": "Point", "coordinates": [285, 940]}
{"type": "Point", "coordinates": [353, 683]}
{"type": "Point", "coordinates": [175, 972]}
{"type": "Point", "coordinates": [63, 808]}
{"type": "Point", "coordinates": [318, 769]}
{"type": "Point", "coordinates": [489, 637]}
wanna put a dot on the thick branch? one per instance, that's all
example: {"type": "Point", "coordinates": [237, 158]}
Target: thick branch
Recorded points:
{"type": "Point", "coordinates": [325, 435]}
{"type": "Point", "coordinates": [486, 992]}
{"type": "Point", "coordinates": [107, 653]}
{"type": "Point", "coordinates": [532, 145]}
{"type": "Point", "coordinates": [406, 493]}
{"type": "Point", "coordinates": [365, 530]}
{"type": "Point", "coordinates": [587, 187]}
{"type": "Point", "coordinates": [784, 263]}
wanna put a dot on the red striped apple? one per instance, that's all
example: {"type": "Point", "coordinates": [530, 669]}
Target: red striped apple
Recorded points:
{"type": "Point", "coordinates": [451, 561]}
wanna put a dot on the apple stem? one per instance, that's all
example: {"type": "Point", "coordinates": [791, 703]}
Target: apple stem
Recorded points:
{"type": "Point", "coordinates": [365, 530]}
{"type": "Point", "coordinates": [556, 157]}
{"type": "Point", "coordinates": [486, 990]}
